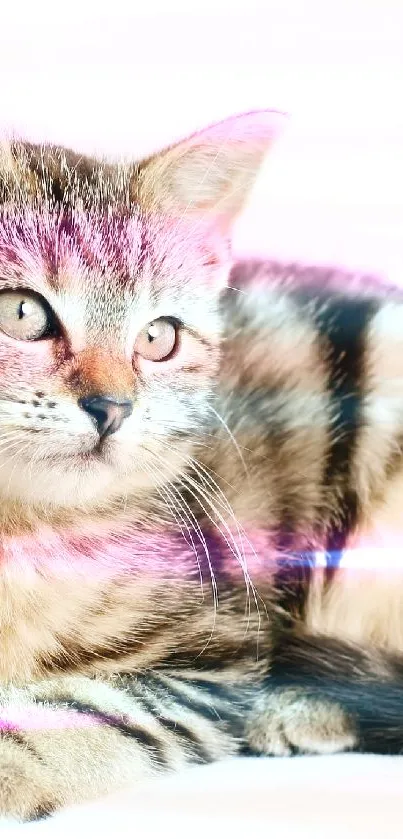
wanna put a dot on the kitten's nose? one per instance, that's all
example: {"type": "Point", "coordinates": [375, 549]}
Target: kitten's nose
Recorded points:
{"type": "Point", "coordinates": [107, 412]}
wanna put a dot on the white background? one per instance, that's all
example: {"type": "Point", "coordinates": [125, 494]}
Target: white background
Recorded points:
{"type": "Point", "coordinates": [125, 78]}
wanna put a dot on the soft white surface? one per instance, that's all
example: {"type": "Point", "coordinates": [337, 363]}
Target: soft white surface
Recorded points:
{"type": "Point", "coordinates": [335, 797]}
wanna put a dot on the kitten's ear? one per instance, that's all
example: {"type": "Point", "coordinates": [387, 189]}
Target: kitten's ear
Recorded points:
{"type": "Point", "coordinates": [210, 174]}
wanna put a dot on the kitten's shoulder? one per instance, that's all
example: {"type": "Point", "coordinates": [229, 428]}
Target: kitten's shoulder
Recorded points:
{"type": "Point", "coordinates": [290, 303]}
{"type": "Point", "coordinates": [290, 277]}
{"type": "Point", "coordinates": [261, 289]}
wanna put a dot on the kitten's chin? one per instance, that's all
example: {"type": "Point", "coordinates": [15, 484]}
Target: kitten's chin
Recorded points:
{"type": "Point", "coordinates": [75, 480]}
{"type": "Point", "coordinates": [89, 479]}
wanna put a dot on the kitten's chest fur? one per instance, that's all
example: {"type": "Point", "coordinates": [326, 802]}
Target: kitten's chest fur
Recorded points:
{"type": "Point", "coordinates": [118, 597]}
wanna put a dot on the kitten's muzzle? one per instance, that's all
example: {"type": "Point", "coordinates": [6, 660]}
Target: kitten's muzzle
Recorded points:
{"type": "Point", "coordinates": [107, 412]}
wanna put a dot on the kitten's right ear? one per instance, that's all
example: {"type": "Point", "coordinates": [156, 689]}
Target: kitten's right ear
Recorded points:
{"type": "Point", "coordinates": [211, 173]}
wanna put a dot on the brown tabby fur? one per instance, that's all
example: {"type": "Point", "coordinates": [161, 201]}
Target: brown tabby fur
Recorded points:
{"type": "Point", "coordinates": [144, 595]}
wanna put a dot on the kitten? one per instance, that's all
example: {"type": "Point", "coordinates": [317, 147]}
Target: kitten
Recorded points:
{"type": "Point", "coordinates": [179, 436]}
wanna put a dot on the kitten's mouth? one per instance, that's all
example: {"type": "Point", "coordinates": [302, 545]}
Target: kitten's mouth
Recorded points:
{"type": "Point", "coordinates": [94, 454]}
{"type": "Point", "coordinates": [97, 453]}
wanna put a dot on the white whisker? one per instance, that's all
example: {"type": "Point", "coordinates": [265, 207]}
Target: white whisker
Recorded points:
{"type": "Point", "coordinates": [220, 498]}
{"type": "Point", "coordinates": [231, 436]}
{"type": "Point", "coordinates": [236, 547]}
{"type": "Point", "coordinates": [187, 511]}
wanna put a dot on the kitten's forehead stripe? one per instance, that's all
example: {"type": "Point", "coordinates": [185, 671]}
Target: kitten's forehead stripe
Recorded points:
{"type": "Point", "coordinates": [59, 207]}
{"type": "Point", "coordinates": [61, 244]}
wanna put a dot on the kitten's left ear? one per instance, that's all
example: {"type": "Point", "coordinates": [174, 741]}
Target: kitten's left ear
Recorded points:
{"type": "Point", "coordinates": [211, 173]}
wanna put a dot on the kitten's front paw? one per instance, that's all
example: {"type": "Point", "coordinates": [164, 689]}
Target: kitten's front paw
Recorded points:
{"type": "Point", "coordinates": [290, 722]}
{"type": "Point", "coordinates": [24, 791]}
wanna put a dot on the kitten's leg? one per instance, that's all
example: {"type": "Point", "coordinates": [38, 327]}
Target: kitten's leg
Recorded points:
{"type": "Point", "coordinates": [323, 695]}
{"type": "Point", "coordinates": [66, 740]}
{"type": "Point", "coordinates": [291, 721]}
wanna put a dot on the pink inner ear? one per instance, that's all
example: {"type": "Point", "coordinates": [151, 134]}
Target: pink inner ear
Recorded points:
{"type": "Point", "coordinates": [211, 260]}
{"type": "Point", "coordinates": [218, 253]}
{"type": "Point", "coordinates": [203, 174]}
{"type": "Point", "coordinates": [212, 172]}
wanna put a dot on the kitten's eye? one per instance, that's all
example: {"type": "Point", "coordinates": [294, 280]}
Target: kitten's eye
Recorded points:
{"type": "Point", "coordinates": [24, 315]}
{"type": "Point", "coordinates": [157, 340]}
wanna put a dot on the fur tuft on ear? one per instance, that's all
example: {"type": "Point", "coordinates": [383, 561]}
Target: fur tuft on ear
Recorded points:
{"type": "Point", "coordinates": [211, 173]}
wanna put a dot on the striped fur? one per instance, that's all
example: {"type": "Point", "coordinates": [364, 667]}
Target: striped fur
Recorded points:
{"type": "Point", "coordinates": [159, 602]}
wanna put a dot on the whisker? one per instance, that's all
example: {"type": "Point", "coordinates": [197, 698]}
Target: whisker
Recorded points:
{"type": "Point", "coordinates": [224, 503]}
{"type": "Point", "coordinates": [231, 436]}
{"type": "Point", "coordinates": [233, 545]}
{"type": "Point", "coordinates": [189, 514]}
{"type": "Point", "coordinates": [168, 496]}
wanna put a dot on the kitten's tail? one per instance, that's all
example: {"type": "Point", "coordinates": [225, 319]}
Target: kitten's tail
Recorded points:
{"type": "Point", "coordinates": [365, 682]}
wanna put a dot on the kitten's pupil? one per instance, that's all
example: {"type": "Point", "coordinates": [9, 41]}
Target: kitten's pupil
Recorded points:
{"type": "Point", "coordinates": [153, 332]}
{"type": "Point", "coordinates": [23, 309]}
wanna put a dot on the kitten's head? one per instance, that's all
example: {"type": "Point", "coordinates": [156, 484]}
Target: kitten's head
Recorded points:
{"type": "Point", "coordinates": [110, 277]}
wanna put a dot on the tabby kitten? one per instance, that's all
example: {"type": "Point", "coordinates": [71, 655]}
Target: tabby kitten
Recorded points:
{"type": "Point", "coordinates": [173, 456]}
